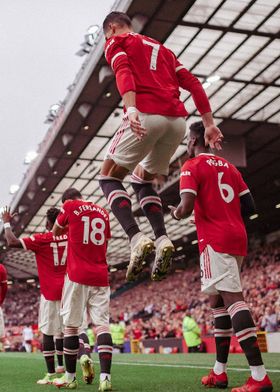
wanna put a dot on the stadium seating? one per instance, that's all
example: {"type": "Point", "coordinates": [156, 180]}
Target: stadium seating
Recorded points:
{"type": "Point", "coordinates": [156, 309]}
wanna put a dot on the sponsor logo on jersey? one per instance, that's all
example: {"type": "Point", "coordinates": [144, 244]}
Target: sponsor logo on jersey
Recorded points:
{"type": "Point", "coordinates": [186, 173]}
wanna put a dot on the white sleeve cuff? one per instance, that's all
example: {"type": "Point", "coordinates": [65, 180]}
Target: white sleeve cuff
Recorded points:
{"type": "Point", "coordinates": [244, 192]}
{"type": "Point", "coordinates": [188, 191]}
{"type": "Point", "coordinates": [23, 244]}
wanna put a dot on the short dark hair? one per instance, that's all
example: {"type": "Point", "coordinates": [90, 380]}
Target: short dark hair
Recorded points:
{"type": "Point", "coordinates": [116, 17]}
{"type": "Point", "coordinates": [197, 128]}
{"type": "Point", "coordinates": [71, 194]}
{"type": "Point", "coordinates": [52, 214]}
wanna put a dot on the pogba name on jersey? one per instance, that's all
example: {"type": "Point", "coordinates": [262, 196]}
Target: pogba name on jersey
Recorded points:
{"type": "Point", "coordinates": [217, 162]}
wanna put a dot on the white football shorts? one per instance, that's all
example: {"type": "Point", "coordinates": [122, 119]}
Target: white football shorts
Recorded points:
{"type": "Point", "coordinates": [219, 272]}
{"type": "Point", "coordinates": [153, 153]}
{"type": "Point", "coordinates": [2, 324]}
{"type": "Point", "coordinates": [76, 298]}
{"type": "Point", "coordinates": [50, 321]}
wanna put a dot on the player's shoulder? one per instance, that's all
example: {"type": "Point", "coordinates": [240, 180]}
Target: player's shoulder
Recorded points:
{"type": "Point", "coordinates": [68, 205]}
{"type": "Point", "coordinates": [41, 237]}
{"type": "Point", "coordinates": [115, 40]}
{"type": "Point", "coordinates": [2, 268]}
{"type": "Point", "coordinates": [189, 164]}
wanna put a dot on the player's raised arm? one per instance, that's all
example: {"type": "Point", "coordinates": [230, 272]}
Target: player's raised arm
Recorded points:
{"type": "Point", "coordinates": [12, 240]}
{"type": "Point", "coordinates": [213, 135]}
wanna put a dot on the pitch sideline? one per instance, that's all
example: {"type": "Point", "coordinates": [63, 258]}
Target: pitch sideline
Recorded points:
{"type": "Point", "coordinates": [183, 366]}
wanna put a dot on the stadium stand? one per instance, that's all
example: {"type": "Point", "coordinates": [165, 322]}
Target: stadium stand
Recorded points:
{"type": "Point", "coordinates": [158, 308]}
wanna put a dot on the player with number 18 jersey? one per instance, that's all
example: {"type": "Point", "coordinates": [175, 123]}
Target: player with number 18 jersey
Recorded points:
{"type": "Point", "coordinates": [86, 284]}
{"type": "Point", "coordinates": [89, 231]}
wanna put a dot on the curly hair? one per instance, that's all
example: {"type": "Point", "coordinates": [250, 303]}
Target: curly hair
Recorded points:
{"type": "Point", "coordinates": [52, 214]}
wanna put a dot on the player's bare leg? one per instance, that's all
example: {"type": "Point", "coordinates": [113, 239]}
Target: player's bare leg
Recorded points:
{"type": "Point", "coordinates": [151, 205]}
{"type": "Point", "coordinates": [111, 178]}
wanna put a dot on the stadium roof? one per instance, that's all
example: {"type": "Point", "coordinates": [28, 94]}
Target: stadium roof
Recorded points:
{"type": "Point", "coordinates": [233, 47]}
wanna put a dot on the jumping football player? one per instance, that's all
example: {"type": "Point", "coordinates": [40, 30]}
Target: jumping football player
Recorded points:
{"type": "Point", "coordinates": [148, 77]}
{"type": "Point", "coordinates": [214, 188]}
{"type": "Point", "coordinates": [86, 283]}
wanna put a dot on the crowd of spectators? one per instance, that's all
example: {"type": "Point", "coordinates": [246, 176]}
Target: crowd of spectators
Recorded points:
{"type": "Point", "coordinates": [156, 309]}
{"type": "Point", "coordinates": [21, 304]}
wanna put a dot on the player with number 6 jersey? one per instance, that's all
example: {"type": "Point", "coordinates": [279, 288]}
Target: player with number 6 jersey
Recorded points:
{"type": "Point", "coordinates": [86, 285]}
{"type": "Point", "coordinates": [215, 189]}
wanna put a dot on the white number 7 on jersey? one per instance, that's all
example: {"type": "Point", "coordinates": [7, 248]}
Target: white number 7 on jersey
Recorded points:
{"type": "Point", "coordinates": [154, 55]}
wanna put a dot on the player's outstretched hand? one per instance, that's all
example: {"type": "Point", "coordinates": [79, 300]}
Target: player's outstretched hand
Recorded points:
{"type": "Point", "coordinates": [6, 215]}
{"type": "Point", "coordinates": [135, 125]}
{"type": "Point", "coordinates": [213, 137]}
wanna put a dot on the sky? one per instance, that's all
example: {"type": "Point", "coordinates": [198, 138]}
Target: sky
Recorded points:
{"type": "Point", "coordinates": [38, 43]}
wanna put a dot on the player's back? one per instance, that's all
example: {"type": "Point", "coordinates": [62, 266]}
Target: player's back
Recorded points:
{"type": "Point", "coordinates": [154, 71]}
{"type": "Point", "coordinates": [89, 231]}
{"type": "Point", "coordinates": [51, 257]}
{"type": "Point", "coordinates": [217, 206]}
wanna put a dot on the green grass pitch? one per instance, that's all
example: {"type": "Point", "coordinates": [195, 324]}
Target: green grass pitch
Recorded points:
{"type": "Point", "coordinates": [134, 372]}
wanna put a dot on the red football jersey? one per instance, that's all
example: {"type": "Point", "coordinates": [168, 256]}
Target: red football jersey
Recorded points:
{"type": "Point", "coordinates": [89, 231]}
{"type": "Point", "coordinates": [51, 257]}
{"type": "Point", "coordinates": [3, 283]}
{"type": "Point", "coordinates": [144, 65]}
{"type": "Point", "coordinates": [218, 186]}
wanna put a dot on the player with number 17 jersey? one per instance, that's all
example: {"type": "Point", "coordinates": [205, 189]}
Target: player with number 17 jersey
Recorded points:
{"type": "Point", "coordinates": [218, 186]}
{"type": "Point", "coordinates": [50, 252]}
{"type": "Point", "coordinates": [89, 231]}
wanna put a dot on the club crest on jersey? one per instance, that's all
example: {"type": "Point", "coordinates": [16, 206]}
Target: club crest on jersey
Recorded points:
{"type": "Point", "coordinates": [219, 162]}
